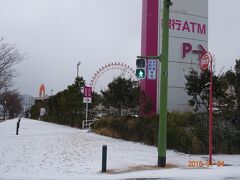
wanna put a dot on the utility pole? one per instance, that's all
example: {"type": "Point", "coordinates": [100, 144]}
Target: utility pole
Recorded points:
{"type": "Point", "coordinates": [162, 133]}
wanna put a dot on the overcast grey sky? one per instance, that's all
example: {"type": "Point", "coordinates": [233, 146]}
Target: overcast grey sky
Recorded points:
{"type": "Point", "coordinates": [56, 34]}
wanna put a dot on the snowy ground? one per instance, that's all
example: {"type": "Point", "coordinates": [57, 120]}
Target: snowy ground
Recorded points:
{"type": "Point", "coordinates": [49, 151]}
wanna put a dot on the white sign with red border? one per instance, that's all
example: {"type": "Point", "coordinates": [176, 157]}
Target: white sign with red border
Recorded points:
{"type": "Point", "coordinates": [205, 60]}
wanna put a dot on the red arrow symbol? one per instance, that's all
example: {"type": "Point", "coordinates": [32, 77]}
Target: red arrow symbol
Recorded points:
{"type": "Point", "coordinates": [200, 52]}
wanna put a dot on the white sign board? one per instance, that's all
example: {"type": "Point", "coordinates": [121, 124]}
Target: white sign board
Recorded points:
{"type": "Point", "coordinates": [42, 111]}
{"type": "Point", "coordinates": [152, 69]}
{"type": "Point", "coordinates": [87, 100]}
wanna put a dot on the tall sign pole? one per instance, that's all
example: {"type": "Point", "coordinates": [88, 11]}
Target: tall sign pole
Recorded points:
{"type": "Point", "coordinates": [162, 134]}
{"type": "Point", "coordinates": [210, 113]}
{"type": "Point", "coordinates": [87, 98]}
{"type": "Point", "coordinates": [205, 59]}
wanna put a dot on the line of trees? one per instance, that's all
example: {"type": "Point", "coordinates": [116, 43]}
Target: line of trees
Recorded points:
{"type": "Point", "coordinates": [66, 107]}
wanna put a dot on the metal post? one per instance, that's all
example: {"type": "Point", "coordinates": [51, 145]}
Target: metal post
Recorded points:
{"type": "Point", "coordinates": [210, 114]}
{"type": "Point", "coordinates": [4, 110]}
{"type": "Point", "coordinates": [86, 111]}
{"type": "Point", "coordinates": [18, 125]}
{"type": "Point", "coordinates": [17, 128]}
{"type": "Point", "coordinates": [104, 158]}
{"type": "Point", "coordinates": [162, 134]}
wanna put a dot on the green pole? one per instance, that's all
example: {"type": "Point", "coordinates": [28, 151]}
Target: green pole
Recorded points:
{"type": "Point", "coordinates": [162, 133]}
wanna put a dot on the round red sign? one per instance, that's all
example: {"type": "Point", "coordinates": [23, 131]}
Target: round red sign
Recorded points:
{"type": "Point", "coordinates": [204, 60]}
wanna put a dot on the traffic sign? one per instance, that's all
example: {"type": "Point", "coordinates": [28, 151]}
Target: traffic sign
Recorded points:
{"type": "Point", "coordinates": [204, 61]}
{"type": "Point", "coordinates": [87, 94]}
{"type": "Point", "coordinates": [87, 91]}
{"type": "Point", "coordinates": [152, 68]}
{"type": "Point", "coordinates": [87, 100]}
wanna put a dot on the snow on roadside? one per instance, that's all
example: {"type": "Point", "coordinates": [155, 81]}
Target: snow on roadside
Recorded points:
{"type": "Point", "coordinates": [49, 151]}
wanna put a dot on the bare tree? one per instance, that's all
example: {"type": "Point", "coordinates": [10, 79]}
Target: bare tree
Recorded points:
{"type": "Point", "coordinates": [9, 56]}
{"type": "Point", "coordinates": [13, 103]}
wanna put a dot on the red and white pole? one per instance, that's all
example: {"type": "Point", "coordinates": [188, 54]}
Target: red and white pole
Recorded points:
{"type": "Point", "coordinates": [205, 59]}
{"type": "Point", "coordinates": [210, 113]}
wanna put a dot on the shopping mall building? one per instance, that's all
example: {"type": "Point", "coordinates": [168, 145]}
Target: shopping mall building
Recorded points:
{"type": "Point", "coordinates": [188, 38]}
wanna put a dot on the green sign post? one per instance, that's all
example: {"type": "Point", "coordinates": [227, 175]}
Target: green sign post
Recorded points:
{"type": "Point", "coordinates": [162, 134]}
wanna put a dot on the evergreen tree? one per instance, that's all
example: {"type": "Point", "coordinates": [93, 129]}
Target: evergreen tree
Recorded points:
{"type": "Point", "coordinates": [197, 86]}
{"type": "Point", "coordinates": [122, 94]}
{"type": "Point", "coordinates": [66, 107]}
{"type": "Point", "coordinates": [233, 81]}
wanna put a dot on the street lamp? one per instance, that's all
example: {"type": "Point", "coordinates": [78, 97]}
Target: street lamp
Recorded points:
{"type": "Point", "coordinates": [82, 89]}
{"type": "Point", "coordinates": [78, 64]}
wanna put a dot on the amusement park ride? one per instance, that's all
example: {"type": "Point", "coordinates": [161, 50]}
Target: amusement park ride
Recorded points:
{"type": "Point", "coordinates": [109, 67]}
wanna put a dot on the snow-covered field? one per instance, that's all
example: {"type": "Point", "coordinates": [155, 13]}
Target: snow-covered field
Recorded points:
{"type": "Point", "coordinates": [49, 151]}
